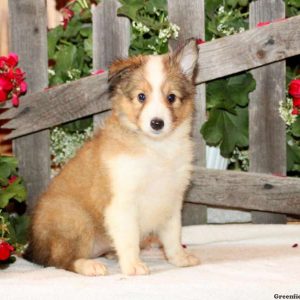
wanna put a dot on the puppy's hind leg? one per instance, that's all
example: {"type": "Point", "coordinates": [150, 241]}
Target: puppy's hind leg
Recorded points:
{"type": "Point", "coordinates": [64, 238]}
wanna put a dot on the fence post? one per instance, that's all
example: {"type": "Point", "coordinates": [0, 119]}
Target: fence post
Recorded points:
{"type": "Point", "coordinates": [190, 17]}
{"type": "Point", "coordinates": [28, 38]}
{"type": "Point", "coordinates": [111, 39]}
{"type": "Point", "coordinates": [267, 137]}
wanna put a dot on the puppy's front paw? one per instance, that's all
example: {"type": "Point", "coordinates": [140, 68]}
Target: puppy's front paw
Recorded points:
{"type": "Point", "coordinates": [184, 259]}
{"type": "Point", "coordinates": [137, 268]}
{"type": "Point", "coordinates": [89, 267]}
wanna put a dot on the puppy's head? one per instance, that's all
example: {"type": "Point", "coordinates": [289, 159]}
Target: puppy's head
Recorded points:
{"type": "Point", "coordinates": [155, 94]}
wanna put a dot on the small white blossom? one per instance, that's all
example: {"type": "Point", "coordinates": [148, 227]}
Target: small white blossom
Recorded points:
{"type": "Point", "coordinates": [221, 10]}
{"type": "Point", "coordinates": [242, 156]}
{"type": "Point", "coordinates": [140, 27]}
{"type": "Point", "coordinates": [220, 27]}
{"type": "Point", "coordinates": [51, 72]}
{"type": "Point", "coordinates": [64, 144]}
{"type": "Point", "coordinates": [285, 111]}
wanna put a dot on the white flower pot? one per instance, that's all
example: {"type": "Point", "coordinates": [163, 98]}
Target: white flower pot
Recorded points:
{"type": "Point", "coordinates": [214, 159]}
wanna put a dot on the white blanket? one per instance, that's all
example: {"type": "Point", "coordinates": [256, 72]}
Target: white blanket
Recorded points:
{"type": "Point", "coordinates": [238, 262]}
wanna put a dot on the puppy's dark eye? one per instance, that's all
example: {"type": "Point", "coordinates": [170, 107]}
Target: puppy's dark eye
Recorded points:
{"type": "Point", "coordinates": [171, 98]}
{"type": "Point", "coordinates": [141, 97]}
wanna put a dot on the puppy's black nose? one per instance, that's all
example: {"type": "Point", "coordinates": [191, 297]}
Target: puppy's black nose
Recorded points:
{"type": "Point", "coordinates": [157, 124]}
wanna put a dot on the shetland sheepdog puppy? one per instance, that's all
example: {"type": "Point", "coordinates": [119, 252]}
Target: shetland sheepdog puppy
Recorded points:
{"type": "Point", "coordinates": [129, 180]}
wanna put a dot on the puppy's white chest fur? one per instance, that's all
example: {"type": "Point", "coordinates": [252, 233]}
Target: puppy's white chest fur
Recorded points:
{"type": "Point", "coordinates": [152, 184]}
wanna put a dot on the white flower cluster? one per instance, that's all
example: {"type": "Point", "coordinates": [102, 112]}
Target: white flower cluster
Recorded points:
{"type": "Point", "coordinates": [51, 72]}
{"type": "Point", "coordinates": [64, 144]}
{"type": "Point", "coordinates": [170, 32]}
{"type": "Point", "coordinates": [241, 156]}
{"type": "Point", "coordinates": [285, 111]}
{"type": "Point", "coordinates": [224, 17]}
{"type": "Point", "coordinates": [74, 74]}
{"type": "Point", "coordinates": [140, 27]}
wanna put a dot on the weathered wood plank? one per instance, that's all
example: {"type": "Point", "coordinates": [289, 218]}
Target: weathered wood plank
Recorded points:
{"type": "Point", "coordinates": [59, 105]}
{"type": "Point", "coordinates": [109, 42]}
{"type": "Point", "coordinates": [250, 191]}
{"type": "Point", "coordinates": [193, 11]}
{"type": "Point", "coordinates": [267, 137]}
{"type": "Point", "coordinates": [217, 58]}
{"type": "Point", "coordinates": [28, 38]}
{"type": "Point", "coordinates": [250, 49]}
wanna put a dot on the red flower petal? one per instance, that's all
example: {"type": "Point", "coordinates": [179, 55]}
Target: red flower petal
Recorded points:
{"type": "Point", "coordinates": [15, 100]}
{"type": "Point", "coordinates": [12, 59]}
{"type": "Point", "coordinates": [5, 250]}
{"type": "Point", "coordinates": [5, 84]}
{"type": "Point", "coordinates": [100, 71]}
{"type": "Point", "coordinates": [294, 88]}
{"type": "Point", "coordinates": [3, 96]}
{"type": "Point", "coordinates": [200, 41]}
{"type": "Point", "coordinates": [296, 102]}
{"type": "Point", "coordinates": [261, 24]}
{"type": "Point", "coordinates": [12, 179]}
{"type": "Point", "coordinates": [295, 111]}
{"type": "Point", "coordinates": [2, 62]}
{"type": "Point", "coordinates": [67, 16]}
{"type": "Point", "coordinates": [23, 87]}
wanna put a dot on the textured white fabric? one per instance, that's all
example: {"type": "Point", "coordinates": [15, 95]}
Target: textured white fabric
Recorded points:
{"type": "Point", "coordinates": [238, 262]}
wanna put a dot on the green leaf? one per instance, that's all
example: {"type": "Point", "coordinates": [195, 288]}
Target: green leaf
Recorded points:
{"type": "Point", "coordinates": [233, 90]}
{"type": "Point", "coordinates": [5, 196]}
{"type": "Point", "coordinates": [73, 28]}
{"type": "Point", "coordinates": [18, 190]}
{"type": "Point", "coordinates": [18, 229]}
{"type": "Point", "coordinates": [239, 87]}
{"type": "Point", "coordinates": [296, 128]}
{"type": "Point", "coordinates": [53, 37]}
{"type": "Point", "coordinates": [88, 45]}
{"type": "Point", "coordinates": [293, 156]}
{"type": "Point", "coordinates": [130, 9]}
{"type": "Point", "coordinates": [226, 129]}
{"type": "Point", "coordinates": [86, 31]}
{"type": "Point", "coordinates": [65, 57]}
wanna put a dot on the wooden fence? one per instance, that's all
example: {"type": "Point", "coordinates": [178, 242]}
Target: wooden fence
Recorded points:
{"type": "Point", "coordinates": [261, 49]}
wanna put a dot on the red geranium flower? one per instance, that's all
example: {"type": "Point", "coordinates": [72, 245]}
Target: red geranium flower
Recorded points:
{"type": "Point", "coordinates": [295, 111]}
{"type": "Point", "coordinates": [15, 100]}
{"type": "Point", "coordinates": [12, 59]}
{"type": "Point", "coordinates": [200, 41]}
{"type": "Point", "coordinates": [261, 24]}
{"type": "Point", "coordinates": [100, 71]}
{"type": "Point", "coordinates": [12, 179]}
{"type": "Point", "coordinates": [294, 88]}
{"type": "Point", "coordinates": [3, 96]}
{"type": "Point", "coordinates": [67, 16]}
{"type": "Point", "coordinates": [296, 102]}
{"type": "Point", "coordinates": [5, 250]}
{"type": "Point", "coordinates": [12, 79]}
{"type": "Point", "coordinates": [5, 85]}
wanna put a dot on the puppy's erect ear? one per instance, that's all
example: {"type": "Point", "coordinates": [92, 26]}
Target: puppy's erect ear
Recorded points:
{"type": "Point", "coordinates": [187, 56]}
{"type": "Point", "coordinates": [121, 66]}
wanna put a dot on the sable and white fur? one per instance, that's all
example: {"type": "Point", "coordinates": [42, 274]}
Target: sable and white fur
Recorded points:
{"type": "Point", "coordinates": [129, 180]}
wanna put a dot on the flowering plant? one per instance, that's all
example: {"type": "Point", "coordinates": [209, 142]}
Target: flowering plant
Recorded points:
{"type": "Point", "coordinates": [12, 202]}
{"type": "Point", "coordinates": [294, 91]}
{"type": "Point", "coordinates": [289, 110]}
{"type": "Point", "coordinates": [12, 79]}
{"type": "Point", "coordinates": [150, 27]}
{"type": "Point", "coordinates": [227, 98]}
